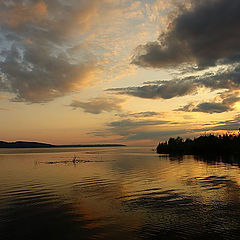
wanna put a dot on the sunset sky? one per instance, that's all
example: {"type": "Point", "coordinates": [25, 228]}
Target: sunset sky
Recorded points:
{"type": "Point", "coordinates": [118, 71]}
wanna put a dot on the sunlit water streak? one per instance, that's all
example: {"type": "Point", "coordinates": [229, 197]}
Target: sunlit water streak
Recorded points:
{"type": "Point", "coordinates": [117, 193]}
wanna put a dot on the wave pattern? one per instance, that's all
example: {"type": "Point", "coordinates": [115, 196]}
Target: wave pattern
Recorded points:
{"type": "Point", "coordinates": [126, 193]}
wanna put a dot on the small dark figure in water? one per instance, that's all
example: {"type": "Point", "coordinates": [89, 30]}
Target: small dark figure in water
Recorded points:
{"type": "Point", "coordinates": [74, 160]}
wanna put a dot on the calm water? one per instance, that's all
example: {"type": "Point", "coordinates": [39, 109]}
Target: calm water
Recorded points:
{"type": "Point", "coordinates": [116, 193]}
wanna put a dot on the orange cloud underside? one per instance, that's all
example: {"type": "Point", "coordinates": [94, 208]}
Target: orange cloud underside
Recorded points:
{"type": "Point", "coordinates": [25, 13]}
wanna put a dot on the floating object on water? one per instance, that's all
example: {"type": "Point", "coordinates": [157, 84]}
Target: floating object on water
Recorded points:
{"type": "Point", "coordinates": [74, 159]}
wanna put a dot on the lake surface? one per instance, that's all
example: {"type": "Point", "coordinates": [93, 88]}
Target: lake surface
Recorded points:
{"type": "Point", "coordinates": [116, 193]}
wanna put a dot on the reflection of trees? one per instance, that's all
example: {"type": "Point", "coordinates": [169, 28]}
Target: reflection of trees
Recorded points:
{"type": "Point", "coordinates": [233, 159]}
{"type": "Point", "coordinates": [222, 144]}
{"type": "Point", "coordinates": [178, 157]}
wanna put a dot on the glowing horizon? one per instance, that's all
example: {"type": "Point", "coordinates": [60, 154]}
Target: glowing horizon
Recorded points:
{"type": "Point", "coordinates": [118, 71]}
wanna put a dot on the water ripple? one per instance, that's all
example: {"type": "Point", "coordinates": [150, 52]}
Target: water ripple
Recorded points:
{"type": "Point", "coordinates": [131, 194]}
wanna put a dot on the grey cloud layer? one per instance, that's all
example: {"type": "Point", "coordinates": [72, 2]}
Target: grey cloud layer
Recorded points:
{"type": "Point", "coordinates": [227, 103]}
{"type": "Point", "coordinates": [206, 107]}
{"type": "Point", "coordinates": [228, 80]}
{"type": "Point", "coordinates": [134, 130]}
{"type": "Point", "coordinates": [45, 21]}
{"type": "Point", "coordinates": [141, 114]}
{"type": "Point", "coordinates": [229, 125]}
{"type": "Point", "coordinates": [98, 105]}
{"type": "Point", "coordinates": [140, 129]}
{"type": "Point", "coordinates": [206, 34]}
{"type": "Point", "coordinates": [147, 129]}
{"type": "Point", "coordinates": [33, 64]}
{"type": "Point", "coordinates": [35, 76]}
{"type": "Point", "coordinates": [163, 89]}
{"type": "Point", "coordinates": [127, 123]}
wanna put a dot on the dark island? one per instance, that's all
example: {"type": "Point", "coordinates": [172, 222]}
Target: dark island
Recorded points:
{"type": "Point", "coordinates": [207, 144]}
{"type": "Point", "coordinates": [22, 144]}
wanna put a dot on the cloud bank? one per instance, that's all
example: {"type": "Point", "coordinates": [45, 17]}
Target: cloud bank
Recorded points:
{"type": "Point", "coordinates": [205, 34]}
{"type": "Point", "coordinates": [226, 104]}
{"type": "Point", "coordinates": [161, 89]}
{"type": "Point", "coordinates": [147, 114]}
{"type": "Point", "coordinates": [36, 76]}
{"type": "Point", "coordinates": [99, 105]}
{"type": "Point", "coordinates": [34, 63]}
{"type": "Point", "coordinates": [227, 80]}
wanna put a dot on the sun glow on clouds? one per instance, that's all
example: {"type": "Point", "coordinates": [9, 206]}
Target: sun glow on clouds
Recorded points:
{"type": "Point", "coordinates": [145, 69]}
{"type": "Point", "coordinates": [24, 13]}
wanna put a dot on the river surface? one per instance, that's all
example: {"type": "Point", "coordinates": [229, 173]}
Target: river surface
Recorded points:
{"type": "Point", "coordinates": [116, 193]}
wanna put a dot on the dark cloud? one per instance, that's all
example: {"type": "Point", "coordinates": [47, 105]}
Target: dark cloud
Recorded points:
{"type": "Point", "coordinates": [145, 133]}
{"type": "Point", "coordinates": [128, 128]}
{"type": "Point", "coordinates": [99, 105]}
{"type": "Point", "coordinates": [148, 129]}
{"type": "Point", "coordinates": [228, 125]}
{"type": "Point", "coordinates": [140, 135]}
{"type": "Point", "coordinates": [141, 114]}
{"type": "Point", "coordinates": [227, 79]}
{"type": "Point", "coordinates": [35, 75]}
{"type": "Point", "coordinates": [222, 79]}
{"type": "Point", "coordinates": [205, 34]}
{"type": "Point", "coordinates": [127, 123]}
{"type": "Point", "coordinates": [163, 89]}
{"type": "Point", "coordinates": [138, 130]}
{"type": "Point", "coordinates": [206, 107]}
{"type": "Point", "coordinates": [33, 63]}
{"type": "Point", "coordinates": [227, 104]}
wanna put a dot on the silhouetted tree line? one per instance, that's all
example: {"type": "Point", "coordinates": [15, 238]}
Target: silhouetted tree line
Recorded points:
{"type": "Point", "coordinates": [207, 144]}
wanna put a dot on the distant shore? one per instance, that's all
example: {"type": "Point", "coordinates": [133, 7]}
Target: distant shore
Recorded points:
{"type": "Point", "coordinates": [23, 144]}
{"type": "Point", "coordinates": [207, 144]}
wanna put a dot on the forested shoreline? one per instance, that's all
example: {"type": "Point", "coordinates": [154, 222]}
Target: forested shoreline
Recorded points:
{"type": "Point", "coordinates": [206, 144]}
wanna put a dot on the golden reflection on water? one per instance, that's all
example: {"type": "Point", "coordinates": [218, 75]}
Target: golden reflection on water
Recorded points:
{"type": "Point", "coordinates": [115, 193]}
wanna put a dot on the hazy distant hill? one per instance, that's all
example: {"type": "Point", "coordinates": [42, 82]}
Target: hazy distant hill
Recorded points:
{"type": "Point", "coordinates": [21, 144]}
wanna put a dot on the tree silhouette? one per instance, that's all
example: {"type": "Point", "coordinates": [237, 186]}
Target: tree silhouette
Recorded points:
{"type": "Point", "coordinates": [206, 144]}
